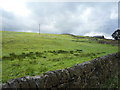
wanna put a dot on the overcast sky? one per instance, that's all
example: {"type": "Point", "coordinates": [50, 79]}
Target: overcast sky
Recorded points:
{"type": "Point", "coordinates": [80, 18]}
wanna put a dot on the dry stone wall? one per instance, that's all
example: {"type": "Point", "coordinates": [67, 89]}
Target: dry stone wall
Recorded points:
{"type": "Point", "coordinates": [85, 75]}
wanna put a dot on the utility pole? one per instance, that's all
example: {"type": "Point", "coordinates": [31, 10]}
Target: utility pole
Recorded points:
{"type": "Point", "coordinates": [39, 29]}
{"type": "Point", "coordinates": [119, 15]}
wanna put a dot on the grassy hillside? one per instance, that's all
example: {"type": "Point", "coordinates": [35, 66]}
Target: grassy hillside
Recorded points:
{"type": "Point", "coordinates": [32, 54]}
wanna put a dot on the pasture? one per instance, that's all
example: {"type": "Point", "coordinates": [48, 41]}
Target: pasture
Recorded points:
{"type": "Point", "coordinates": [29, 54]}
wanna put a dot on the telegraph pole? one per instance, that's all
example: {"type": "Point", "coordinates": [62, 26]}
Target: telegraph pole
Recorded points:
{"type": "Point", "coordinates": [119, 15]}
{"type": "Point", "coordinates": [39, 29]}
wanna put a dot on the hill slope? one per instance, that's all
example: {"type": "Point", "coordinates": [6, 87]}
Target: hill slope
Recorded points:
{"type": "Point", "coordinates": [32, 54]}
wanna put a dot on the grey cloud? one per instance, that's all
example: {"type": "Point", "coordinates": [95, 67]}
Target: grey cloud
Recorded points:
{"type": "Point", "coordinates": [75, 18]}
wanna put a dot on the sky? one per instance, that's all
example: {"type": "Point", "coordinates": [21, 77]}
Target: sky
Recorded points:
{"type": "Point", "coordinates": [79, 18]}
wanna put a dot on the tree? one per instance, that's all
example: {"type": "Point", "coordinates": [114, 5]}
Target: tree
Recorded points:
{"type": "Point", "coordinates": [116, 34]}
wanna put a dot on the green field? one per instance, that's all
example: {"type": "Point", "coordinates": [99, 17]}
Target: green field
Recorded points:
{"type": "Point", "coordinates": [31, 54]}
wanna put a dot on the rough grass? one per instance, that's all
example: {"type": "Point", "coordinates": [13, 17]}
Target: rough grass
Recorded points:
{"type": "Point", "coordinates": [32, 54]}
{"type": "Point", "coordinates": [113, 82]}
